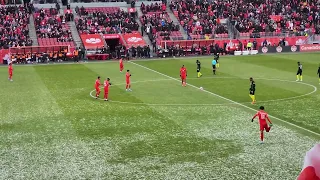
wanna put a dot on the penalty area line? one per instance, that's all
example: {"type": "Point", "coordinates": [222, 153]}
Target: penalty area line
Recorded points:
{"type": "Point", "coordinates": [209, 92]}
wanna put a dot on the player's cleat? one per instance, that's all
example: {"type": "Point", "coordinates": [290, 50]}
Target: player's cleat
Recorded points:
{"type": "Point", "coordinates": [297, 80]}
{"type": "Point", "coordinates": [261, 142]}
{"type": "Point", "coordinates": [11, 80]}
{"type": "Point", "coordinates": [129, 90]}
{"type": "Point", "coordinates": [106, 100]}
{"type": "Point", "coordinates": [301, 80]}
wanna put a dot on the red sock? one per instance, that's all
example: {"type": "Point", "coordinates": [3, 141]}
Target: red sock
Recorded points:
{"type": "Point", "coordinates": [261, 136]}
{"type": "Point", "coordinates": [127, 86]}
{"type": "Point", "coordinates": [105, 95]}
{"type": "Point", "coordinates": [10, 76]}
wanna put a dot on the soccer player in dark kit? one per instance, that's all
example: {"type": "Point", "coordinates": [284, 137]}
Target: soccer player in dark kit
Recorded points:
{"type": "Point", "coordinates": [252, 90]}
{"type": "Point", "coordinates": [299, 72]}
{"type": "Point", "coordinates": [198, 68]}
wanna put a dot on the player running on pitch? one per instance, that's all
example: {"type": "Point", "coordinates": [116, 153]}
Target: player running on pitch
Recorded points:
{"type": "Point", "coordinates": [263, 117]}
{"type": "Point", "coordinates": [97, 86]}
{"type": "Point", "coordinates": [183, 76]}
{"type": "Point", "coordinates": [252, 90]}
{"type": "Point", "coordinates": [128, 85]}
{"type": "Point", "coordinates": [299, 72]}
{"type": "Point", "coordinates": [121, 64]}
{"type": "Point", "coordinates": [319, 73]}
{"type": "Point", "coordinates": [10, 71]}
{"type": "Point", "coordinates": [106, 88]}
{"type": "Point", "coordinates": [198, 68]}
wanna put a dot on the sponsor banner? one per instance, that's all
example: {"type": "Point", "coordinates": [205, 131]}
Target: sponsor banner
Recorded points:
{"type": "Point", "coordinates": [92, 41]}
{"type": "Point", "coordinates": [252, 52]}
{"type": "Point", "coordinates": [279, 49]}
{"type": "Point", "coordinates": [131, 10]}
{"type": "Point", "coordinates": [134, 39]}
{"type": "Point", "coordinates": [310, 47]}
{"type": "Point", "coordinates": [111, 36]}
{"type": "Point", "coordinates": [234, 44]}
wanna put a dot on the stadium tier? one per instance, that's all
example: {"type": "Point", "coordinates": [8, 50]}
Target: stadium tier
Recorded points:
{"type": "Point", "coordinates": [52, 28]}
{"type": "Point", "coordinates": [157, 23]}
{"type": "Point", "coordinates": [14, 29]}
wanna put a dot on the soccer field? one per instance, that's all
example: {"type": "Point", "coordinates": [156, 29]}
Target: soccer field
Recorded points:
{"type": "Point", "coordinates": [51, 127]}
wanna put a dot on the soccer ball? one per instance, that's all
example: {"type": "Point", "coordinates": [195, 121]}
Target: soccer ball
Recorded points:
{"type": "Point", "coordinates": [201, 88]}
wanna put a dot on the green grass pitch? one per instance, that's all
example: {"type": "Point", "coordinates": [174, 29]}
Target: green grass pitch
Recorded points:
{"type": "Point", "coordinates": [51, 127]}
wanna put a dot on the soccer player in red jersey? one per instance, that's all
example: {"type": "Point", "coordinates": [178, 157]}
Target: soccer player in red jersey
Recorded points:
{"type": "Point", "coordinates": [263, 117]}
{"type": "Point", "coordinates": [183, 75]}
{"type": "Point", "coordinates": [106, 88]}
{"type": "Point", "coordinates": [128, 85]}
{"type": "Point", "coordinates": [97, 86]}
{"type": "Point", "coordinates": [121, 64]}
{"type": "Point", "coordinates": [10, 70]}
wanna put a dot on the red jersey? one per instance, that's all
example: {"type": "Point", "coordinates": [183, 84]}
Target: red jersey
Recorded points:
{"type": "Point", "coordinates": [183, 71]}
{"type": "Point", "coordinates": [263, 117]}
{"type": "Point", "coordinates": [10, 68]}
{"type": "Point", "coordinates": [97, 84]}
{"type": "Point", "coordinates": [128, 76]}
{"type": "Point", "coordinates": [106, 85]}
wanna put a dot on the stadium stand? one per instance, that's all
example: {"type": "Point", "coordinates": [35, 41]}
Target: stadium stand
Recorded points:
{"type": "Point", "coordinates": [157, 23]}
{"type": "Point", "coordinates": [14, 27]}
{"type": "Point", "coordinates": [198, 18]}
{"type": "Point", "coordinates": [106, 20]}
{"type": "Point", "coordinates": [51, 28]}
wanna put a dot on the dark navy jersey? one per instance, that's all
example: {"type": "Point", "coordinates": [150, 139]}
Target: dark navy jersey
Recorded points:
{"type": "Point", "coordinates": [198, 64]}
{"type": "Point", "coordinates": [253, 86]}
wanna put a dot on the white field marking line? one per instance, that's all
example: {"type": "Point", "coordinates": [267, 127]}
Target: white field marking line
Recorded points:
{"type": "Point", "coordinates": [148, 104]}
{"type": "Point", "coordinates": [215, 104]}
{"type": "Point", "coordinates": [282, 80]}
{"type": "Point", "coordinates": [144, 67]}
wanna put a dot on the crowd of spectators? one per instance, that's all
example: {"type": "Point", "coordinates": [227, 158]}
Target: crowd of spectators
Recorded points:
{"type": "Point", "coordinates": [49, 24]}
{"type": "Point", "coordinates": [14, 30]}
{"type": "Point", "coordinates": [105, 22]}
{"type": "Point", "coordinates": [203, 16]}
{"type": "Point", "coordinates": [156, 22]}
{"type": "Point", "coordinates": [153, 7]}
{"type": "Point", "coordinates": [199, 17]}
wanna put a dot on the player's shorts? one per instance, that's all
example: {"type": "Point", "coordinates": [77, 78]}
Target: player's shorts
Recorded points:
{"type": "Point", "coordinates": [299, 72]}
{"type": "Point", "coordinates": [251, 92]}
{"type": "Point", "coordinates": [198, 70]}
{"type": "Point", "coordinates": [97, 89]}
{"type": "Point", "coordinates": [106, 91]}
{"type": "Point", "coordinates": [214, 67]}
{"type": "Point", "coordinates": [263, 126]}
{"type": "Point", "coordinates": [183, 77]}
{"type": "Point", "coordinates": [128, 82]}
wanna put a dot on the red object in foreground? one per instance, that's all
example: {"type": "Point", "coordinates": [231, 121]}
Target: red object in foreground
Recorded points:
{"type": "Point", "coordinates": [311, 166]}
